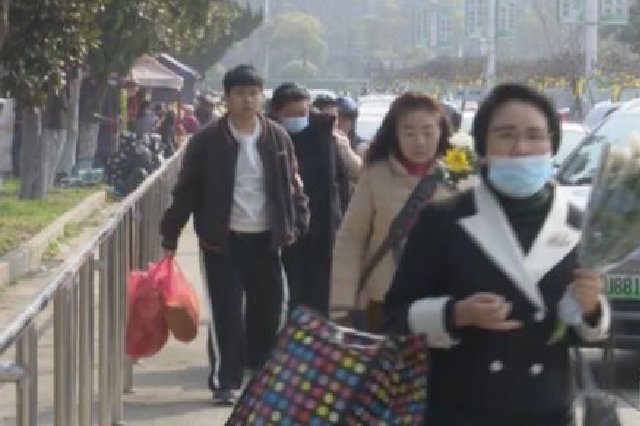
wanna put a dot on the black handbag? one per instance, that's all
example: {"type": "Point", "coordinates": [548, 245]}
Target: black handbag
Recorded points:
{"type": "Point", "coordinates": [599, 406]}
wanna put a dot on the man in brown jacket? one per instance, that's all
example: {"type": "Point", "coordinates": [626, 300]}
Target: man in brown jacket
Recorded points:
{"type": "Point", "coordinates": [239, 181]}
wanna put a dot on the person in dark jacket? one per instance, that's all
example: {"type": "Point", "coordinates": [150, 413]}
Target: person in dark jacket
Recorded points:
{"type": "Point", "coordinates": [483, 273]}
{"type": "Point", "coordinates": [308, 262]}
{"type": "Point", "coordinates": [329, 105]}
{"type": "Point", "coordinates": [239, 180]}
{"type": "Point", "coordinates": [205, 108]}
{"type": "Point", "coordinates": [146, 121]}
{"type": "Point", "coordinates": [167, 130]}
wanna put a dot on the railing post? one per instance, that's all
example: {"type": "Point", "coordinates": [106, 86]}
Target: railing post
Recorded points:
{"type": "Point", "coordinates": [72, 357]}
{"type": "Point", "coordinates": [85, 387]}
{"type": "Point", "coordinates": [141, 231]}
{"type": "Point", "coordinates": [117, 352]}
{"type": "Point", "coordinates": [27, 388]}
{"type": "Point", "coordinates": [61, 342]}
{"type": "Point", "coordinates": [133, 243]}
{"type": "Point", "coordinates": [104, 408]}
{"type": "Point", "coordinates": [127, 266]}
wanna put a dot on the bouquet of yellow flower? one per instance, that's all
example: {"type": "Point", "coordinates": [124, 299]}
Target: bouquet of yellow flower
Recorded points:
{"type": "Point", "coordinates": [459, 164]}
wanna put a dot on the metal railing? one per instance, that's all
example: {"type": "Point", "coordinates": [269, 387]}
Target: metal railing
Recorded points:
{"type": "Point", "coordinates": [128, 240]}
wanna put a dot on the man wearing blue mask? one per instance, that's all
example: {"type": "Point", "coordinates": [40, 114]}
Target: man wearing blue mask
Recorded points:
{"type": "Point", "coordinates": [326, 180]}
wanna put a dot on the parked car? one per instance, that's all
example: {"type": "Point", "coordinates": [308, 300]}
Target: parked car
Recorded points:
{"type": "Point", "coordinates": [572, 135]}
{"type": "Point", "coordinates": [379, 99]}
{"type": "Point", "coordinates": [371, 112]}
{"type": "Point", "coordinates": [599, 112]}
{"type": "Point", "coordinates": [578, 171]}
{"type": "Point", "coordinates": [467, 121]}
{"type": "Point", "coordinates": [367, 125]}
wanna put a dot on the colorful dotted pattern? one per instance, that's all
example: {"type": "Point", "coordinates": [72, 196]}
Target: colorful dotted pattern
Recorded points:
{"type": "Point", "coordinates": [317, 376]}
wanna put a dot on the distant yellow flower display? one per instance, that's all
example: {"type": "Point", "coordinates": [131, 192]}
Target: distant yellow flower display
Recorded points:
{"type": "Point", "coordinates": [457, 161]}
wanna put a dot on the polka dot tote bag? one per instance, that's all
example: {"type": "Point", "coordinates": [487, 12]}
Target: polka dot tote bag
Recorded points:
{"type": "Point", "coordinates": [322, 374]}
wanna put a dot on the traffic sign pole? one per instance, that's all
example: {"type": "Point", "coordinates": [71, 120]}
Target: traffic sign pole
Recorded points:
{"type": "Point", "coordinates": [491, 50]}
{"type": "Point", "coordinates": [591, 37]}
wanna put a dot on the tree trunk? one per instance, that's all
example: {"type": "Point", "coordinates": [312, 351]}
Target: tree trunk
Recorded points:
{"type": "Point", "coordinates": [92, 96]}
{"type": "Point", "coordinates": [54, 135]}
{"type": "Point", "coordinates": [87, 143]}
{"type": "Point", "coordinates": [32, 177]}
{"type": "Point", "coordinates": [71, 124]}
{"type": "Point", "coordinates": [4, 19]}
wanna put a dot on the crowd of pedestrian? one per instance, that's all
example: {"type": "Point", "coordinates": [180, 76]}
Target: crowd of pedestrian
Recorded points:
{"type": "Point", "coordinates": [174, 125]}
{"type": "Point", "coordinates": [288, 213]}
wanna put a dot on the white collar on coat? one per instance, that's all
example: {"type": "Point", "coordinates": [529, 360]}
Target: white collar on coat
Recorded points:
{"type": "Point", "coordinates": [491, 230]}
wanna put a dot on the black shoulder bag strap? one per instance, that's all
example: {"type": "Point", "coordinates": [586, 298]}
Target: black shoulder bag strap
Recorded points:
{"type": "Point", "coordinates": [401, 225]}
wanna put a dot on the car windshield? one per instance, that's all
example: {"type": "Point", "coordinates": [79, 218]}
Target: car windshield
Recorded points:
{"type": "Point", "coordinates": [582, 165]}
{"type": "Point", "coordinates": [597, 114]}
{"type": "Point", "coordinates": [570, 139]}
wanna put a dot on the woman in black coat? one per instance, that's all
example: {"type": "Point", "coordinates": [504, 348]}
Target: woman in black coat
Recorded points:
{"type": "Point", "coordinates": [483, 273]}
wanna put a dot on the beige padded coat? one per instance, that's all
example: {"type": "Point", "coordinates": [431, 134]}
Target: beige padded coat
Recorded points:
{"type": "Point", "coordinates": [382, 191]}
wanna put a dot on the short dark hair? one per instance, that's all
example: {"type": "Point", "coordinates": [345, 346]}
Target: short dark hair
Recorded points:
{"type": "Point", "coordinates": [324, 101]}
{"type": "Point", "coordinates": [242, 75]}
{"type": "Point", "coordinates": [288, 93]}
{"type": "Point", "coordinates": [386, 142]}
{"type": "Point", "coordinates": [503, 94]}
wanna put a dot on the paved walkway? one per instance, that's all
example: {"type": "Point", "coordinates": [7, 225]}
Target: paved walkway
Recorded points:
{"type": "Point", "coordinates": [169, 389]}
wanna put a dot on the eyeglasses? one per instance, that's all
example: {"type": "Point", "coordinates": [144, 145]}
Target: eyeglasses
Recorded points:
{"type": "Point", "coordinates": [512, 137]}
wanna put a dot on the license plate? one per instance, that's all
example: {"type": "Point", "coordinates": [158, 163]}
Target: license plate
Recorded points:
{"type": "Point", "coordinates": [622, 286]}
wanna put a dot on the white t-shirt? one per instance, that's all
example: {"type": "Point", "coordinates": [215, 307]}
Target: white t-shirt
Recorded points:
{"type": "Point", "coordinates": [249, 210]}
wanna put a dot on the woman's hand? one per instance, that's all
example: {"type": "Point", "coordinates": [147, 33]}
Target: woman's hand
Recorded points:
{"type": "Point", "coordinates": [586, 288]}
{"type": "Point", "coordinates": [485, 310]}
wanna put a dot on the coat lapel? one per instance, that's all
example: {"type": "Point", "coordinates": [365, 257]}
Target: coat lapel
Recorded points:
{"type": "Point", "coordinates": [556, 238]}
{"type": "Point", "coordinates": [493, 233]}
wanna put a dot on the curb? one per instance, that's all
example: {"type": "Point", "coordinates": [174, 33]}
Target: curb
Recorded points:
{"type": "Point", "coordinates": [28, 257]}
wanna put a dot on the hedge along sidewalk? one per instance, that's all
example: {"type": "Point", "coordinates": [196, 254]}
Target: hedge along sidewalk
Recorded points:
{"type": "Point", "coordinates": [28, 226]}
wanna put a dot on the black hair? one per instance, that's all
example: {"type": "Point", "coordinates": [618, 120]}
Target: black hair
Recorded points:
{"type": "Point", "coordinates": [386, 140]}
{"type": "Point", "coordinates": [170, 118]}
{"type": "Point", "coordinates": [288, 93]}
{"type": "Point", "coordinates": [242, 75]}
{"type": "Point", "coordinates": [325, 101]}
{"type": "Point", "coordinates": [454, 116]}
{"type": "Point", "coordinates": [509, 92]}
{"type": "Point", "coordinates": [143, 108]}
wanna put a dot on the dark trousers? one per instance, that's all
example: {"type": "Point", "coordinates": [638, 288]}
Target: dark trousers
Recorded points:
{"type": "Point", "coordinates": [243, 338]}
{"type": "Point", "coordinates": [441, 416]}
{"type": "Point", "coordinates": [308, 268]}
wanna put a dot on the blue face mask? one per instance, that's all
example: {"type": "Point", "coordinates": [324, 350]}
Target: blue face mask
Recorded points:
{"type": "Point", "coordinates": [520, 177]}
{"type": "Point", "coordinates": [295, 124]}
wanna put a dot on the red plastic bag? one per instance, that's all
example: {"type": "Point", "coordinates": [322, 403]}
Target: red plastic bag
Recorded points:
{"type": "Point", "coordinates": [181, 306]}
{"type": "Point", "coordinates": [147, 331]}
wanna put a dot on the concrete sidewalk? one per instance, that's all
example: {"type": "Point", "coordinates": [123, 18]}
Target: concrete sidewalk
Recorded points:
{"type": "Point", "coordinates": [171, 388]}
